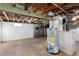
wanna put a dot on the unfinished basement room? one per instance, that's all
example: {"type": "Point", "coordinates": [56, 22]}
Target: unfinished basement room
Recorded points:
{"type": "Point", "coordinates": [39, 29]}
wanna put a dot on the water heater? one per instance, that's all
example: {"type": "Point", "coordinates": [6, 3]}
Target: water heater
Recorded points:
{"type": "Point", "coordinates": [52, 40]}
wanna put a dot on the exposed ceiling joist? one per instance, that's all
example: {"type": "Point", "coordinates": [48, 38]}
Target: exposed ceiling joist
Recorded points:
{"type": "Point", "coordinates": [20, 19]}
{"type": "Point", "coordinates": [5, 15]}
{"type": "Point", "coordinates": [69, 7]}
{"type": "Point", "coordinates": [1, 19]}
{"type": "Point", "coordinates": [20, 11]}
{"type": "Point", "coordinates": [61, 8]}
{"type": "Point", "coordinates": [13, 17]}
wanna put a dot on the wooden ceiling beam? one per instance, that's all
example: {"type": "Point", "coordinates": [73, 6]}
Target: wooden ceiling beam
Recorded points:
{"type": "Point", "coordinates": [57, 9]}
{"type": "Point", "coordinates": [26, 5]}
{"type": "Point", "coordinates": [6, 16]}
{"type": "Point", "coordinates": [65, 7]}
{"type": "Point", "coordinates": [61, 8]}
{"type": "Point", "coordinates": [13, 17]}
{"type": "Point", "coordinates": [13, 4]}
{"type": "Point", "coordinates": [20, 19]}
{"type": "Point", "coordinates": [1, 19]}
{"type": "Point", "coordinates": [69, 8]}
{"type": "Point", "coordinates": [54, 8]}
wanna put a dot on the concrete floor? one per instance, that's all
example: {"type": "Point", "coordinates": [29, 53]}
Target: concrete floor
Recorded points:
{"type": "Point", "coordinates": [26, 47]}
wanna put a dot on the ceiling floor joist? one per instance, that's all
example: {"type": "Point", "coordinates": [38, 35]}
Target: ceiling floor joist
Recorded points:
{"type": "Point", "coordinates": [5, 15]}
{"type": "Point", "coordinates": [60, 8]}
{"type": "Point", "coordinates": [1, 19]}
{"type": "Point", "coordinates": [21, 11]}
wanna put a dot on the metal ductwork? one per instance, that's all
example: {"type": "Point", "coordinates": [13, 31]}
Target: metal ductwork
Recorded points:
{"type": "Point", "coordinates": [21, 11]}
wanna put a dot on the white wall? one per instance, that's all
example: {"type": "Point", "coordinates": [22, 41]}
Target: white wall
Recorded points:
{"type": "Point", "coordinates": [10, 32]}
{"type": "Point", "coordinates": [0, 30]}
{"type": "Point", "coordinates": [75, 33]}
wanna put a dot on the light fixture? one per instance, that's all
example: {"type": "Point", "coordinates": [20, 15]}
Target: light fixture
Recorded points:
{"type": "Point", "coordinates": [74, 18]}
{"type": "Point", "coordinates": [18, 24]}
